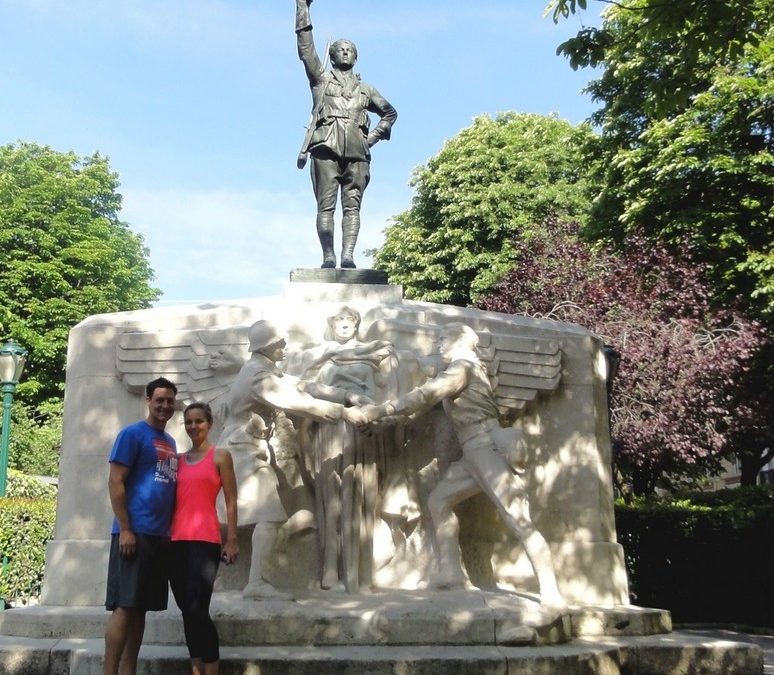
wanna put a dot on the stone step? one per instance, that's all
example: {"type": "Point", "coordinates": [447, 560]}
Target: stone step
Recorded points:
{"type": "Point", "coordinates": [673, 654]}
{"type": "Point", "coordinates": [396, 633]}
{"type": "Point", "coordinates": [395, 618]}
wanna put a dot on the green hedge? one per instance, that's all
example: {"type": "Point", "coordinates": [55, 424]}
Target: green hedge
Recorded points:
{"type": "Point", "coordinates": [26, 525]}
{"type": "Point", "coordinates": [704, 563]}
{"type": "Point", "coordinates": [28, 487]}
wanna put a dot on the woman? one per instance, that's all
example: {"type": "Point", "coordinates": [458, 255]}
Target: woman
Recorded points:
{"type": "Point", "coordinates": [196, 542]}
{"type": "Point", "coordinates": [356, 477]}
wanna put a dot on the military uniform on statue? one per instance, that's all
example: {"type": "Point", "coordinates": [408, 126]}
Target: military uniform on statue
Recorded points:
{"type": "Point", "coordinates": [338, 138]}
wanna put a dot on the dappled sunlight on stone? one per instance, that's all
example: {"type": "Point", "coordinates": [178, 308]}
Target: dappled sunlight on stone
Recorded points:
{"type": "Point", "coordinates": [548, 380]}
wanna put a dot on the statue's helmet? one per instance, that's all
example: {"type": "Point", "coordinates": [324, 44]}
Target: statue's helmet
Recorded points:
{"type": "Point", "coordinates": [460, 332]}
{"type": "Point", "coordinates": [263, 334]}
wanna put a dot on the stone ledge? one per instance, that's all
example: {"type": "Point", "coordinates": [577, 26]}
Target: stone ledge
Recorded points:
{"type": "Point", "coordinates": [619, 621]}
{"type": "Point", "coordinates": [385, 618]}
{"type": "Point", "coordinates": [676, 654]}
{"type": "Point", "coordinates": [338, 276]}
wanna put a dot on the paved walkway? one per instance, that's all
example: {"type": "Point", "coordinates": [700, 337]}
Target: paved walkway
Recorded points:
{"type": "Point", "coordinates": [765, 642]}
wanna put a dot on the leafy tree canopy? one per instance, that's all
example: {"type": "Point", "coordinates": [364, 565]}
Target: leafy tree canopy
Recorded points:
{"type": "Point", "coordinates": [687, 133]}
{"type": "Point", "coordinates": [65, 255]}
{"type": "Point", "coordinates": [691, 387]}
{"type": "Point", "coordinates": [494, 180]}
{"type": "Point", "coordinates": [693, 29]}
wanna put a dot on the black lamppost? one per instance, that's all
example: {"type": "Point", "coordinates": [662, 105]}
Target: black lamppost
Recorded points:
{"type": "Point", "coordinates": [12, 360]}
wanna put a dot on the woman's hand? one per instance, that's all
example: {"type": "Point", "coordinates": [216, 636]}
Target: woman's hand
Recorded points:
{"type": "Point", "coordinates": [230, 551]}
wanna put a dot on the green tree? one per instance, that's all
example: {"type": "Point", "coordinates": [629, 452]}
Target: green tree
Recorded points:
{"type": "Point", "coordinates": [687, 133]}
{"type": "Point", "coordinates": [693, 30]}
{"type": "Point", "coordinates": [495, 180]}
{"type": "Point", "coordinates": [66, 255]}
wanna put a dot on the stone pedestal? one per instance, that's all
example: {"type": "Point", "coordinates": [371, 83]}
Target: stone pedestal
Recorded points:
{"type": "Point", "coordinates": [568, 476]}
{"type": "Point", "coordinates": [408, 632]}
{"type": "Point", "coordinates": [496, 625]}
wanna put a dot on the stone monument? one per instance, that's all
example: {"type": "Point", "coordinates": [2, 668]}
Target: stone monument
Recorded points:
{"type": "Point", "coordinates": [422, 488]}
{"type": "Point", "coordinates": [549, 382]}
{"type": "Point", "coordinates": [380, 613]}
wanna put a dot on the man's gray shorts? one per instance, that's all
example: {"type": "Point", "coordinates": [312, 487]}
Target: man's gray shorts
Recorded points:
{"type": "Point", "coordinates": [142, 580]}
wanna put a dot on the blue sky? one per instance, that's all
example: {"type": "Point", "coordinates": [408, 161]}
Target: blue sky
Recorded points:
{"type": "Point", "coordinates": [201, 106]}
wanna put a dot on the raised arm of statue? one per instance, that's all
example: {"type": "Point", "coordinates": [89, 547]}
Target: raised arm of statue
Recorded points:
{"type": "Point", "coordinates": [305, 41]}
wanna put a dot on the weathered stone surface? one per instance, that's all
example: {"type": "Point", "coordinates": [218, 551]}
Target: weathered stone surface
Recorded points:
{"type": "Point", "coordinates": [25, 656]}
{"type": "Point", "coordinates": [567, 477]}
{"type": "Point", "coordinates": [396, 618]}
{"type": "Point", "coordinates": [676, 654]}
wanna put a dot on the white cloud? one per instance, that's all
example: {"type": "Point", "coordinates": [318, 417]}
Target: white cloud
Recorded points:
{"type": "Point", "coordinates": [222, 244]}
{"type": "Point", "coordinates": [195, 25]}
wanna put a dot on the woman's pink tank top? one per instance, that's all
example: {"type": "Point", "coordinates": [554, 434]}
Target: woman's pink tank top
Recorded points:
{"type": "Point", "coordinates": [198, 485]}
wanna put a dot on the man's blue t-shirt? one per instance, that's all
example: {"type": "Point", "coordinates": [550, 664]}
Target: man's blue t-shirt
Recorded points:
{"type": "Point", "coordinates": [151, 456]}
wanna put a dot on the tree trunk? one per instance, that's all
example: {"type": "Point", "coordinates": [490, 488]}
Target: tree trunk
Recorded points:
{"type": "Point", "coordinates": [752, 463]}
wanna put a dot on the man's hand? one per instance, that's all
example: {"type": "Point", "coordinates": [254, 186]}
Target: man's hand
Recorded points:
{"type": "Point", "coordinates": [384, 352]}
{"type": "Point", "coordinates": [372, 139]}
{"type": "Point", "coordinates": [354, 417]}
{"type": "Point", "coordinates": [376, 413]}
{"type": "Point", "coordinates": [127, 543]}
{"type": "Point", "coordinates": [371, 413]}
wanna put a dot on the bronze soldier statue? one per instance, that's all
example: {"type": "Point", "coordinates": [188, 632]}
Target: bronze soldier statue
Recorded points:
{"type": "Point", "coordinates": [339, 137]}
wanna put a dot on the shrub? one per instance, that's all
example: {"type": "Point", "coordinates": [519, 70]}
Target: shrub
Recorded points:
{"type": "Point", "coordinates": [26, 525]}
{"type": "Point", "coordinates": [28, 487]}
{"type": "Point", "coordinates": [705, 562]}
{"type": "Point", "coordinates": [753, 495]}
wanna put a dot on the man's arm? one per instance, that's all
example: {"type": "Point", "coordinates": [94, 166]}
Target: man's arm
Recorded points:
{"type": "Point", "coordinates": [117, 490]}
{"type": "Point", "coordinates": [305, 42]}
{"type": "Point", "coordinates": [285, 394]}
{"type": "Point", "coordinates": [448, 384]}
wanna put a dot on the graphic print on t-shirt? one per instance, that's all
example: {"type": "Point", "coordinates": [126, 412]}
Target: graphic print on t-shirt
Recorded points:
{"type": "Point", "coordinates": [166, 461]}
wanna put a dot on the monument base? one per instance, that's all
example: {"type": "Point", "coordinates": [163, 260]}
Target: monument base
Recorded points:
{"type": "Point", "coordinates": [403, 632]}
{"type": "Point", "coordinates": [338, 275]}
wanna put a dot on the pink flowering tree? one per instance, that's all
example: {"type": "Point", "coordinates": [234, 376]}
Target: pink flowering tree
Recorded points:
{"type": "Point", "coordinates": [692, 386]}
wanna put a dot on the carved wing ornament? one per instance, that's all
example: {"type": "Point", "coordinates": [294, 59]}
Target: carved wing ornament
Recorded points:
{"type": "Point", "coordinates": [519, 367]}
{"type": "Point", "coordinates": [202, 363]}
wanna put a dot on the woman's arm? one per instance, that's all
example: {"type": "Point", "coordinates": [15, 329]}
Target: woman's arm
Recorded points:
{"type": "Point", "coordinates": [225, 465]}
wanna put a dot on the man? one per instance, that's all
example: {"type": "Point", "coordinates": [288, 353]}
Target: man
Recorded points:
{"type": "Point", "coordinates": [338, 137]}
{"type": "Point", "coordinates": [142, 482]}
{"type": "Point", "coordinates": [258, 393]}
{"type": "Point", "coordinates": [487, 454]}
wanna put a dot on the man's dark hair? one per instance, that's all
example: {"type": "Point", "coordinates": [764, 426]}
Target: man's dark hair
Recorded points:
{"type": "Point", "coordinates": [159, 383]}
